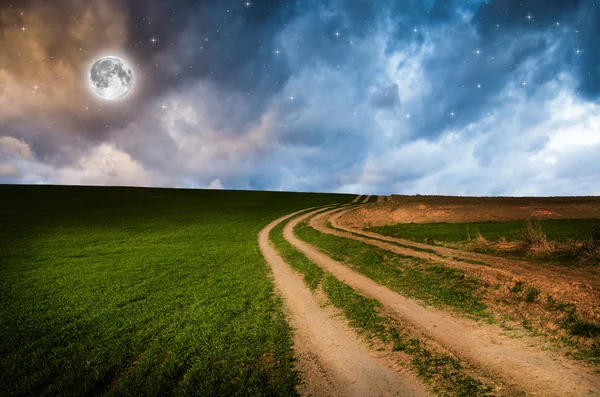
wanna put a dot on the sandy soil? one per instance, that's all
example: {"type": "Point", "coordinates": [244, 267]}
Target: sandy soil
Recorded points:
{"type": "Point", "coordinates": [519, 363]}
{"type": "Point", "coordinates": [381, 199]}
{"type": "Point", "coordinates": [425, 209]}
{"type": "Point", "coordinates": [330, 356]}
{"type": "Point", "coordinates": [580, 286]}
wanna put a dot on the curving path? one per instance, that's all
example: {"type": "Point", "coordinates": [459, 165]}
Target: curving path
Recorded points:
{"type": "Point", "coordinates": [517, 362]}
{"type": "Point", "coordinates": [330, 356]}
{"type": "Point", "coordinates": [517, 267]}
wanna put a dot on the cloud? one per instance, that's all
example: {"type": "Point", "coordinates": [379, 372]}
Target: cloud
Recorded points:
{"type": "Point", "coordinates": [8, 170]}
{"type": "Point", "coordinates": [102, 165]}
{"type": "Point", "coordinates": [441, 96]}
{"type": "Point", "coordinates": [216, 184]}
{"type": "Point", "coordinates": [11, 147]}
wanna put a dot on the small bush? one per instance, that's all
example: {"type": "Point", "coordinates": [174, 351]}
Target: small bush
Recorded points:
{"type": "Point", "coordinates": [399, 346]}
{"type": "Point", "coordinates": [532, 294]}
{"type": "Point", "coordinates": [518, 287]}
{"type": "Point", "coordinates": [590, 248]}
{"type": "Point", "coordinates": [533, 237]}
{"type": "Point", "coordinates": [585, 328]}
{"type": "Point", "coordinates": [596, 347]}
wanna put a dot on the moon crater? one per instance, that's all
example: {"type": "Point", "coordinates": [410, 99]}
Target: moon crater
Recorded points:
{"type": "Point", "coordinates": [110, 78]}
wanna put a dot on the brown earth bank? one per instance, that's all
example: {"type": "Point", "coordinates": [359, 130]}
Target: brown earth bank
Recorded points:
{"type": "Point", "coordinates": [330, 356]}
{"type": "Point", "coordinates": [453, 209]}
{"type": "Point", "coordinates": [564, 295]}
{"type": "Point", "coordinates": [520, 363]}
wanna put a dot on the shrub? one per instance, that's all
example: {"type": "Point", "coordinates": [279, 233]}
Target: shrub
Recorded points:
{"type": "Point", "coordinates": [518, 287]}
{"type": "Point", "coordinates": [590, 248]}
{"type": "Point", "coordinates": [532, 294]}
{"type": "Point", "coordinates": [533, 237]}
{"type": "Point", "coordinates": [585, 328]}
{"type": "Point", "coordinates": [596, 347]}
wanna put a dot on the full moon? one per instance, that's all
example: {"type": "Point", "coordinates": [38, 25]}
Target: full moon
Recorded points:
{"type": "Point", "coordinates": [110, 78]}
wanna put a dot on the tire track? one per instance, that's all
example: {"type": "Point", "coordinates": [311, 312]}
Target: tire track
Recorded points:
{"type": "Point", "coordinates": [498, 264]}
{"type": "Point", "coordinates": [332, 359]}
{"type": "Point", "coordinates": [517, 362]}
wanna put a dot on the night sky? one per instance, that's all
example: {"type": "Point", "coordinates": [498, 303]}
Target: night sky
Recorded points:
{"type": "Point", "coordinates": [496, 97]}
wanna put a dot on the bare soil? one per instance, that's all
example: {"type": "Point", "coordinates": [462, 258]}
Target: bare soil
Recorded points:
{"type": "Point", "coordinates": [427, 209]}
{"type": "Point", "coordinates": [578, 287]}
{"type": "Point", "coordinates": [331, 358]}
{"type": "Point", "coordinates": [520, 364]}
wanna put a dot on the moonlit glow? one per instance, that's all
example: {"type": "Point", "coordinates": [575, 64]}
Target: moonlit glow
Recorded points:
{"type": "Point", "coordinates": [110, 78]}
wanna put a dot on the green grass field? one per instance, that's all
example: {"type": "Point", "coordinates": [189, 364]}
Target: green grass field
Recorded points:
{"type": "Point", "coordinates": [126, 291]}
{"type": "Point", "coordinates": [562, 238]}
{"type": "Point", "coordinates": [556, 230]}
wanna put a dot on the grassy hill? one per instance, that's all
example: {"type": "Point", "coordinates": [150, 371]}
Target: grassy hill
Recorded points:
{"type": "Point", "coordinates": [125, 291]}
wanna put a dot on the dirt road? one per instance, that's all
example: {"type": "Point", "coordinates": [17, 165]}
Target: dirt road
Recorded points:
{"type": "Point", "coordinates": [366, 199]}
{"type": "Point", "coordinates": [330, 356]}
{"type": "Point", "coordinates": [575, 285]}
{"type": "Point", "coordinates": [516, 266]}
{"type": "Point", "coordinates": [518, 362]}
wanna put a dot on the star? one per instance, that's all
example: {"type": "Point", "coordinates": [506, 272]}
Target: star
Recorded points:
{"type": "Point", "coordinates": [478, 85]}
{"type": "Point", "coordinates": [23, 28]}
{"type": "Point", "coordinates": [337, 34]}
{"type": "Point", "coordinates": [277, 52]}
{"type": "Point", "coordinates": [452, 114]}
{"type": "Point", "coordinates": [292, 98]}
{"type": "Point", "coordinates": [529, 17]}
{"type": "Point", "coordinates": [153, 40]}
{"type": "Point", "coordinates": [415, 30]}
{"type": "Point", "coordinates": [478, 52]}
{"type": "Point", "coordinates": [247, 4]}
{"type": "Point", "coordinates": [578, 51]}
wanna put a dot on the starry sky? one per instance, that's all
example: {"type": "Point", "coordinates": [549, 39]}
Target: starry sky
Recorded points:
{"type": "Point", "coordinates": [496, 97]}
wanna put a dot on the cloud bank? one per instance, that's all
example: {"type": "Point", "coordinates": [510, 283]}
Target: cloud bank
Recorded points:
{"type": "Point", "coordinates": [494, 97]}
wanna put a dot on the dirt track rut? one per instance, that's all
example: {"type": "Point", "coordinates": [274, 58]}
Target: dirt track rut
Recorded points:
{"type": "Point", "coordinates": [518, 362]}
{"type": "Point", "coordinates": [330, 356]}
{"type": "Point", "coordinates": [518, 268]}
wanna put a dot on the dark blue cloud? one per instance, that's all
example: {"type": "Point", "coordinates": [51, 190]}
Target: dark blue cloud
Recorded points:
{"type": "Point", "coordinates": [319, 95]}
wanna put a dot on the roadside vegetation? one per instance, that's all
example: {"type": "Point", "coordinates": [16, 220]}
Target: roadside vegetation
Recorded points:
{"type": "Point", "coordinates": [447, 375]}
{"type": "Point", "coordinates": [566, 242]}
{"type": "Point", "coordinates": [429, 282]}
{"type": "Point", "coordinates": [517, 304]}
{"type": "Point", "coordinates": [123, 291]}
